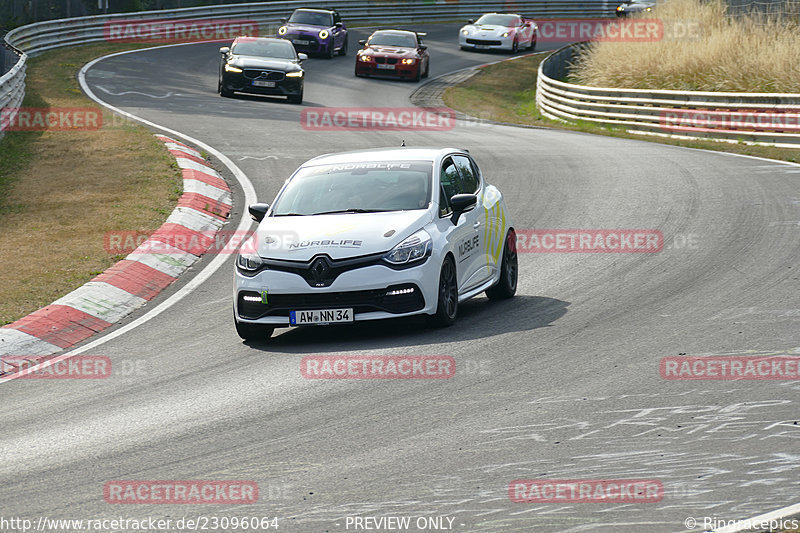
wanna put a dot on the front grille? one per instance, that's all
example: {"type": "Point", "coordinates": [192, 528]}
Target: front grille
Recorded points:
{"type": "Point", "coordinates": [259, 74]}
{"type": "Point", "coordinates": [321, 270]}
{"type": "Point", "coordinates": [313, 44]}
{"type": "Point", "coordinates": [484, 41]}
{"type": "Point", "coordinates": [360, 301]}
{"type": "Point", "coordinates": [387, 60]}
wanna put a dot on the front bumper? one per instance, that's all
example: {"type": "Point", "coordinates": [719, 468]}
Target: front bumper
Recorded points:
{"type": "Point", "coordinates": [235, 81]}
{"type": "Point", "coordinates": [363, 289]}
{"type": "Point", "coordinates": [482, 42]}
{"type": "Point", "coordinates": [387, 69]}
{"type": "Point", "coordinates": [310, 44]}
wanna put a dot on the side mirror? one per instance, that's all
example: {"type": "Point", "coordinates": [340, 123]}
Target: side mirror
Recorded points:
{"type": "Point", "coordinates": [470, 21]}
{"type": "Point", "coordinates": [338, 24]}
{"type": "Point", "coordinates": [258, 211]}
{"type": "Point", "coordinates": [461, 203]}
{"type": "Point", "coordinates": [422, 47]}
{"type": "Point", "coordinates": [283, 20]}
{"type": "Point", "coordinates": [362, 42]}
{"type": "Point", "coordinates": [302, 57]}
{"type": "Point", "coordinates": [224, 50]}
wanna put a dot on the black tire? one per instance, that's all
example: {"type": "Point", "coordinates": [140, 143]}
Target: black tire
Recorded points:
{"type": "Point", "coordinates": [466, 48]}
{"type": "Point", "coordinates": [447, 299]}
{"type": "Point", "coordinates": [506, 286]}
{"type": "Point", "coordinates": [343, 50]}
{"type": "Point", "coordinates": [253, 332]}
{"type": "Point", "coordinates": [223, 91]}
{"type": "Point", "coordinates": [296, 99]}
{"type": "Point", "coordinates": [515, 46]}
{"type": "Point", "coordinates": [533, 43]}
{"type": "Point", "coordinates": [331, 51]}
{"type": "Point", "coordinates": [419, 74]}
{"type": "Point", "coordinates": [427, 69]}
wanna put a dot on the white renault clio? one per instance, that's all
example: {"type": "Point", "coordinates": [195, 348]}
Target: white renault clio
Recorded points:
{"type": "Point", "coordinates": [374, 234]}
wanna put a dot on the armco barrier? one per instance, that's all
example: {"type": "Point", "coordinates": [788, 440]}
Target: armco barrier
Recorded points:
{"type": "Point", "coordinates": [761, 118]}
{"type": "Point", "coordinates": [12, 83]}
{"type": "Point", "coordinates": [42, 36]}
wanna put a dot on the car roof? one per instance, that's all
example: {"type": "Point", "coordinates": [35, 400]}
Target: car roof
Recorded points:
{"type": "Point", "coordinates": [384, 154]}
{"type": "Point", "coordinates": [260, 39]}
{"type": "Point", "coordinates": [400, 32]}
{"type": "Point", "coordinates": [317, 9]}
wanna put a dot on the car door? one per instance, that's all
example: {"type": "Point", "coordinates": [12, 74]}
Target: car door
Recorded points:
{"type": "Point", "coordinates": [339, 32]}
{"type": "Point", "coordinates": [476, 256]}
{"type": "Point", "coordinates": [460, 237]}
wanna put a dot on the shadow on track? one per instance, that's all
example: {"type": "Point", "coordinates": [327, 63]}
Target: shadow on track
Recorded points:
{"type": "Point", "coordinates": [478, 318]}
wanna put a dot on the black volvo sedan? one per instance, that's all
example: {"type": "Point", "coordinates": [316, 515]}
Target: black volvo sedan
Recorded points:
{"type": "Point", "coordinates": [259, 65]}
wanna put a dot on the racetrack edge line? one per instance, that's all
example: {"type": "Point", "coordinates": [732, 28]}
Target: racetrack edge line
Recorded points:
{"type": "Point", "coordinates": [208, 270]}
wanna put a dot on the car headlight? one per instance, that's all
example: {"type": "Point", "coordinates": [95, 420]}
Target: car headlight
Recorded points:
{"type": "Point", "coordinates": [365, 58]}
{"type": "Point", "coordinates": [408, 61]}
{"type": "Point", "coordinates": [620, 8]}
{"type": "Point", "coordinates": [505, 34]}
{"type": "Point", "coordinates": [295, 74]}
{"type": "Point", "coordinates": [415, 248]}
{"type": "Point", "coordinates": [323, 34]}
{"type": "Point", "coordinates": [282, 30]}
{"type": "Point", "coordinates": [231, 68]}
{"type": "Point", "coordinates": [464, 32]}
{"type": "Point", "coordinates": [249, 262]}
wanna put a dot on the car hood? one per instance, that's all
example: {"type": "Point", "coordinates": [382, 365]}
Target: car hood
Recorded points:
{"type": "Point", "coordinates": [305, 28]}
{"type": "Point", "coordinates": [300, 238]}
{"type": "Point", "coordinates": [264, 62]}
{"type": "Point", "coordinates": [390, 50]}
{"type": "Point", "coordinates": [487, 29]}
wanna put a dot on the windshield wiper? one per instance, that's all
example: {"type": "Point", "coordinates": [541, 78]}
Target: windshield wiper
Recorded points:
{"type": "Point", "coordinates": [289, 215]}
{"type": "Point", "coordinates": [352, 210]}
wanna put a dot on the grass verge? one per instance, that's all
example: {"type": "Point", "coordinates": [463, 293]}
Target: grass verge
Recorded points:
{"type": "Point", "coordinates": [506, 92]}
{"type": "Point", "coordinates": [61, 191]}
{"type": "Point", "coordinates": [702, 49]}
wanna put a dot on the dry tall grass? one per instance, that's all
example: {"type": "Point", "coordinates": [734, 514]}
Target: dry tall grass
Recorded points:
{"type": "Point", "coordinates": [751, 53]}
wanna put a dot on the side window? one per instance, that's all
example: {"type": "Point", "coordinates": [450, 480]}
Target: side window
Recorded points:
{"type": "Point", "coordinates": [451, 182]}
{"type": "Point", "coordinates": [469, 178]}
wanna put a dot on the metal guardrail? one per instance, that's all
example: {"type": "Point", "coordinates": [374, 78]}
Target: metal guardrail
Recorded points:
{"type": "Point", "coordinates": [36, 38]}
{"type": "Point", "coordinates": [760, 118]}
{"type": "Point", "coordinates": [12, 84]}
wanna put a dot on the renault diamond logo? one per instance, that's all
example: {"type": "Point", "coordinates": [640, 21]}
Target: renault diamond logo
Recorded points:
{"type": "Point", "coordinates": [320, 270]}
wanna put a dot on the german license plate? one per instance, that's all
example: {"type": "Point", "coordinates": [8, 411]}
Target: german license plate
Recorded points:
{"type": "Point", "coordinates": [262, 83]}
{"type": "Point", "coordinates": [482, 46]}
{"type": "Point", "coordinates": [300, 41]}
{"type": "Point", "coordinates": [321, 316]}
{"type": "Point", "coordinates": [385, 66]}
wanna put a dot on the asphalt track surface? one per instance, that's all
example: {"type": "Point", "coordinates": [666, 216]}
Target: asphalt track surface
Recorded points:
{"type": "Point", "coordinates": [561, 382]}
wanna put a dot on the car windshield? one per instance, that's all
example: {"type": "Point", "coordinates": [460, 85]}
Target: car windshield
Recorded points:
{"type": "Point", "coordinates": [393, 39]}
{"type": "Point", "coordinates": [497, 20]}
{"type": "Point", "coordinates": [312, 18]}
{"type": "Point", "coordinates": [357, 188]}
{"type": "Point", "coordinates": [274, 48]}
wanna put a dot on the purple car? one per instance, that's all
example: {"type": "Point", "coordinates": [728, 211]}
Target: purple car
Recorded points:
{"type": "Point", "coordinates": [315, 31]}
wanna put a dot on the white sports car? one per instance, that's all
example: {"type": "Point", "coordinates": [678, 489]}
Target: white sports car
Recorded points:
{"type": "Point", "coordinates": [374, 234]}
{"type": "Point", "coordinates": [499, 31]}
